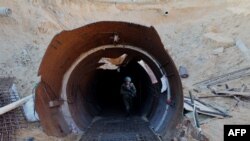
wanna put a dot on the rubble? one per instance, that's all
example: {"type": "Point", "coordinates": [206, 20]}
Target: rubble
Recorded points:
{"type": "Point", "coordinates": [203, 108]}
{"type": "Point", "coordinates": [224, 78]}
{"type": "Point", "coordinates": [187, 131]}
{"type": "Point", "coordinates": [243, 48]}
{"type": "Point", "coordinates": [183, 36]}
{"type": "Point", "coordinates": [232, 92]}
{"type": "Point", "coordinates": [218, 40]}
{"type": "Point", "coordinates": [218, 51]}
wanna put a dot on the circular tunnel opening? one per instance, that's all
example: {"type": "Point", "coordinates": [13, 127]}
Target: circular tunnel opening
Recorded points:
{"type": "Point", "coordinates": [83, 69]}
{"type": "Point", "coordinates": [93, 86]}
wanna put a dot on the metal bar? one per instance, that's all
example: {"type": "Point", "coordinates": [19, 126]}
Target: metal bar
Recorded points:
{"type": "Point", "coordinates": [225, 77]}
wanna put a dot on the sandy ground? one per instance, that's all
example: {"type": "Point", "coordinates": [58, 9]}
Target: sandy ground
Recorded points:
{"type": "Point", "coordinates": [191, 32]}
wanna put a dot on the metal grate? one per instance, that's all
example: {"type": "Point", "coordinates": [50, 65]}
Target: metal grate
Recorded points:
{"type": "Point", "coordinates": [11, 120]}
{"type": "Point", "coordinates": [120, 129]}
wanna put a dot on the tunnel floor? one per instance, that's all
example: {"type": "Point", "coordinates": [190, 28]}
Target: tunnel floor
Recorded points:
{"type": "Point", "coordinates": [119, 129]}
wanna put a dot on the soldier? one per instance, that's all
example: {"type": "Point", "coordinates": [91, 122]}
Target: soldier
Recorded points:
{"type": "Point", "coordinates": [128, 92]}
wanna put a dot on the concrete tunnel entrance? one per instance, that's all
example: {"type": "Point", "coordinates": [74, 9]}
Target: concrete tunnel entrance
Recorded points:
{"type": "Point", "coordinates": [83, 69]}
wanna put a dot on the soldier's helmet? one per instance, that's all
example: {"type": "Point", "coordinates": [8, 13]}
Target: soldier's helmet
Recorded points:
{"type": "Point", "coordinates": [127, 79]}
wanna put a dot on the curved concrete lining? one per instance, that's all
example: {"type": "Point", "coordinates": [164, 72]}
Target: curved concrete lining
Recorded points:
{"type": "Point", "coordinates": [69, 73]}
{"type": "Point", "coordinates": [65, 107]}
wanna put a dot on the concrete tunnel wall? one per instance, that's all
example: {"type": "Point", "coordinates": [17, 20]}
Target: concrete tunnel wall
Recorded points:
{"type": "Point", "coordinates": [67, 95]}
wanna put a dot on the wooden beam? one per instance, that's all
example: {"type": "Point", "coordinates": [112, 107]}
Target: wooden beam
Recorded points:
{"type": "Point", "coordinates": [233, 93]}
{"type": "Point", "coordinates": [14, 105]}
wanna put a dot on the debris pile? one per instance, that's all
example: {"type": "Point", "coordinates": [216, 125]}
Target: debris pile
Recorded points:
{"type": "Point", "coordinates": [203, 108]}
{"type": "Point", "coordinates": [224, 78]}
{"type": "Point", "coordinates": [187, 132]}
{"type": "Point", "coordinates": [198, 108]}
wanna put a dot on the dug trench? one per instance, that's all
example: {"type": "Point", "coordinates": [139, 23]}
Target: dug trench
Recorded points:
{"type": "Point", "coordinates": [81, 74]}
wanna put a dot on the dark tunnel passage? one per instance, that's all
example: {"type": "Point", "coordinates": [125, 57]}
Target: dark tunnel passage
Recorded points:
{"type": "Point", "coordinates": [83, 69]}
{"type": "Point", "coordinates": [95, 90]}
{"type": "Point", "coordinates": [104, 90]}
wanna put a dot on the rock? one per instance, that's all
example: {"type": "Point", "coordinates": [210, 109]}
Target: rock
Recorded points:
{"type": "Point", "coordinates": [218, 51]}
{"type": "Point", "coordinates": [218, 40]}
{"type": "Point", "coordinates": [30, 139]}
{"type": "Point", "coordinates": [243, 48]}
{"type": "Point", "coordinates": [187, 132]}
{"type": "Point", "coordinates": [29, 111]}
{"type": "Point", "coordinates": [174, 139]}
{"type": "Point", "coordinates": [182, 139]}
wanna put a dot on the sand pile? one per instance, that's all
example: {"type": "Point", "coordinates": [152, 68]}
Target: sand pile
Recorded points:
{"type": "Point", "coordinates": [191, 32]}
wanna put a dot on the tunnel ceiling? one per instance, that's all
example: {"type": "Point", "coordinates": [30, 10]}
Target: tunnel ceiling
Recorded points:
{"type": "Point", "coordinates": [76, 54]}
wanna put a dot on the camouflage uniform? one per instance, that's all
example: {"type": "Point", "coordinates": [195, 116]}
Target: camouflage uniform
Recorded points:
{"type": "Point", "coordinates": [128, 91]}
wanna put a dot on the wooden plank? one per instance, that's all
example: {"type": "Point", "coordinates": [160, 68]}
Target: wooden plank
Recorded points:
{"type": "Point", "coordinates": [200, 105]}
{"type": "Point", "coordinates": [189, 107]}
{"type": "Point", "coordinates": [203, 108]}
{"type": "Point", "coordinates": [211, 96]}
{"type": "Point", "coordinates": [233, 93]}
{"type": "Point", "coordinates": [212, 107]}
{"type": "Point", "coordinates": [196, 120]}
{"type": "Point", "coordinates": [224, 78]}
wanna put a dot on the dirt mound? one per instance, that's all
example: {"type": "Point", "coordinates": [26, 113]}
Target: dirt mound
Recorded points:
{"type": "Point", "coordinates": [190, 31]}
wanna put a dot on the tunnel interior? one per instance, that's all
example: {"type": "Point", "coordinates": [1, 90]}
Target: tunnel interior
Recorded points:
{"type": "Point", "coordinates": [95, 91]}
{"type": "Point", "coordinates": [83, 69]}
{"type": "Point", "coordinates": [104, 90]}
{"type": "Point", "coordinates": [106, 85]}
